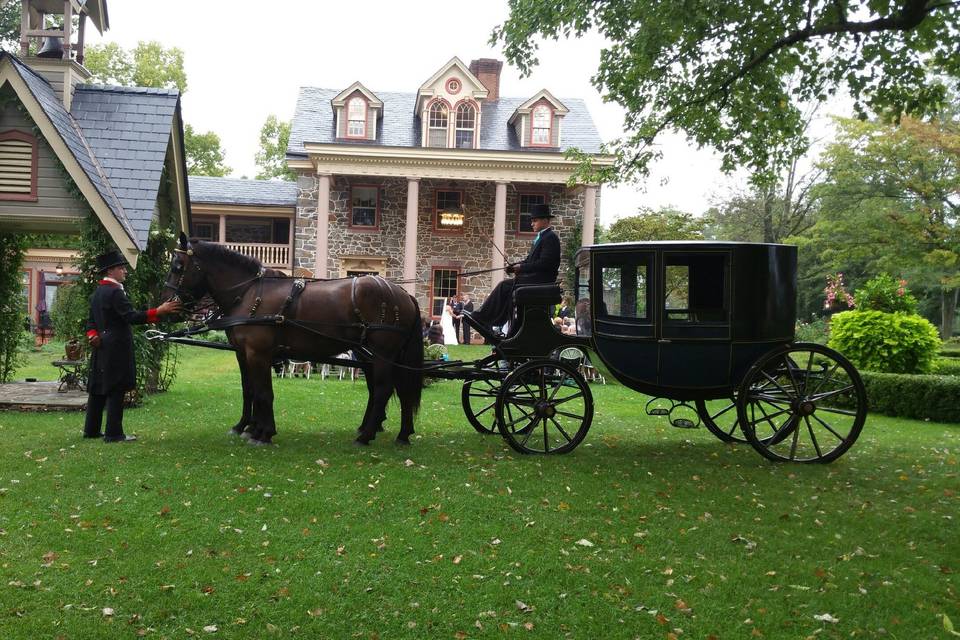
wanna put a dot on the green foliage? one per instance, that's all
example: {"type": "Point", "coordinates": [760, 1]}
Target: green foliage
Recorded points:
{"type": "Point", "coordinates": [665, 224]}
{"type": "Point", "coordinates": [817, 330]}
{"type": "Point", "coordinates": [70, 312]}
{"type": "Point", "coordinates": [272, 156]}
{"type": "Point", "coordinates": [947, 366]}
{"type": "Point", "coordinates": [885, 342]}
{"type": "Point", "coordinates": [205, 156]}
{"type": "Point", "coordinates": [736, 74]}
{"type": "Point", "coordinates": [10, 26]}
{"type": "Point", "coordinates": [150, 64]}
{"type": "Point", "coordinates": [12, 304]}
{"type": "Point", "coordinates": [923, 397]}
{"type": "Point", "coordinates": [885, 293]}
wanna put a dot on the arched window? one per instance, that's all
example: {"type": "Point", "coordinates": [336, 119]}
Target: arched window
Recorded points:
{"type": "Point", "coordinates": [18, 166]}
{"type": "Point", "coordinates": [542, 117]}
{"type": "Point", "coordinates": [437, 128]}
{"type": "Point", "coordinates": [466, 126]}
{"type": "Point", "coordinates": [357, 118]}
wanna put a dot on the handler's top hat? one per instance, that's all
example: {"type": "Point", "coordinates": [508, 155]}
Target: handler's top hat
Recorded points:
{"type": "Point", "coordinates": [540, 211]}
{"type": "Point", "coordinates": [109, 259]}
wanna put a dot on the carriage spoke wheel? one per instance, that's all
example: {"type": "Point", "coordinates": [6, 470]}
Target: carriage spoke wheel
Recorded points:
{"type": "Point", "coordinates": [544, 406]}
{"type": "Point", "coordinates": [479, 399]}
{"type": "Point", "coordinates": [803, 403]}
{"type": "Point", "coordinates": [721, 418]}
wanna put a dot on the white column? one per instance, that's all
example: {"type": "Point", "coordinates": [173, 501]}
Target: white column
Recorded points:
{"type": "Point", "coordinates": [589, 214]}
{"type": "Point", "coordinates": [410, 239]}
{"type": "Point", "coordinates": [499, 232]}
{"type": "Point", "coordinates": [222, 229]}
{"type": "Point", "coordinates": [323, 224]}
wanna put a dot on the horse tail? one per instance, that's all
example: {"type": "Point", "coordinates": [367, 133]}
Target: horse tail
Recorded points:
{"type": "Point", "coordinates": [409, 379]}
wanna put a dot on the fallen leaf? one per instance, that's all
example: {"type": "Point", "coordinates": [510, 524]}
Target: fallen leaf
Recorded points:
{"type": "Point", "coordinates": [523, 606]}
{"type": "Point", "coordinates": [457, 559]}
{"type": "Point", "coordinates": [107, 611]}
{"type": "Point", "coordinates": [826, 617]}
{"type": "Point", "coordinates": [210, 628]}
{"type": "Point", "coordinates": [583, 542]}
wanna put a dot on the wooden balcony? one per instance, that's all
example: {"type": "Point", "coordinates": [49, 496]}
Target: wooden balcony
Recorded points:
{"type": "Point", "coordinates": [276, 256]}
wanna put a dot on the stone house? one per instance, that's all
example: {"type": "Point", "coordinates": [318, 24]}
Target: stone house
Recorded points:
{"type": "Point", "coordinates": [422, 186]}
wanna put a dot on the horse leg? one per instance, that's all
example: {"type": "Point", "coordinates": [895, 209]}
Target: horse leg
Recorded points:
{"type": "Point", "coordinates": [407, 411]}
{"type": "Point", "coordinates": [261, 382]}
{"type": "Point", "coordinates": [368, 412]}
{"type": "Point", "coordinates": [246, 418]}
{"type": "Point", "coordinates": [382, 388]}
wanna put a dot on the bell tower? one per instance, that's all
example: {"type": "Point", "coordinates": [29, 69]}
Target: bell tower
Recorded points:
{"type": "Point", "coordinates": [57, 57]}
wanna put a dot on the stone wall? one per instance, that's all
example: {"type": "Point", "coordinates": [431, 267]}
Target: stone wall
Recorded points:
{"type": "Point", "coordinates": [468, 249]}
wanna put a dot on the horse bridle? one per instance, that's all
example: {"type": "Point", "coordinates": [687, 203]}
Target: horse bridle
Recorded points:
{"type": "Point", "coordinates": [187, 297]}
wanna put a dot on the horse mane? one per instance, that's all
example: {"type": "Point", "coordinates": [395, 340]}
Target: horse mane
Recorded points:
{"type": "Point", "coordinates": [228, 256]}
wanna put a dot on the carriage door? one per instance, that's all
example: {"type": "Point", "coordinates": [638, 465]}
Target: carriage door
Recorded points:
{"type": "Point", "coordinates": [694, 327]}
{"type": "Point", "coordinates": [623, 328]}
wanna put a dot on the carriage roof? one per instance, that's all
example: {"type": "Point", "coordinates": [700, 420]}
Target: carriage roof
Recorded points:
{"type": "Point", "coordinates": [758, 280]}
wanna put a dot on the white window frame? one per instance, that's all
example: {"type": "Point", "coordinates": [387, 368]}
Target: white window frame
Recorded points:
{"type": "Point", "coordinates": [362, 131]}
{"type": "Point", "coordinates": [534, 142]}
{"type": "Point", "coordinates": [438, 107]}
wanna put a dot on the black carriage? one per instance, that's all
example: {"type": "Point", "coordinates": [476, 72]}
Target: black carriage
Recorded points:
{"type": "Point", "coordinates": [707, 328]}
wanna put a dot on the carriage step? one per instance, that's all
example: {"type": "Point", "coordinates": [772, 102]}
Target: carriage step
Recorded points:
{"type": "Point", "coordinates": [684, 423]}
{"type": "Point", "coordinates": [658, 411]}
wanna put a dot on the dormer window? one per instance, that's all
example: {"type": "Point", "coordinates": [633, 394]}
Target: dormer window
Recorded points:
{"type": "Point", "coordinates": [437, 131]}
{"type": "Point", "coordinates": [542, 117]}
{"type": "Point", "coordinates": [357, 118]}
{"type": "Point", "coordinates": [466, 125]}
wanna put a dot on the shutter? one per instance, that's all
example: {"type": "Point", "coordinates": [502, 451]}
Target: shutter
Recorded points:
{"type": "Point", "coordinates": [341, 123]}
{"type": "Point", "coordinates": [518, 125]}
{"type": "Point", "coordinates": [16, 167]}
{"type": "Point", "coordinates": [371, 123]}
{"type": "Point", "coordinates": [555, 132]}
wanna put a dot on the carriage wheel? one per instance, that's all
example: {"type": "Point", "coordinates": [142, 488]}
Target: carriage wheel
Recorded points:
{"type": "Point", "coordinates": [544, 406]}
{"type": "Point", "coordinates": [479, 399]}
{"type": "Point", "coordinates": [721, 419]}
{"type": "Point", "coordinates": [803, 403]}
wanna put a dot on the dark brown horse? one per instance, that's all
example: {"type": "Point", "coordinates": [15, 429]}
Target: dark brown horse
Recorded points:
{"type": "Point", "coordinates": [375, 318]}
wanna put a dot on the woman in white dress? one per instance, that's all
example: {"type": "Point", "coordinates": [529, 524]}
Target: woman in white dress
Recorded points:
{"type": "Point", "coordinates": [446, 323]}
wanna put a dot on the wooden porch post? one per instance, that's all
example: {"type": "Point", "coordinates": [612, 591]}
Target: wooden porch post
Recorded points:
{"type": "Point", "coordinates": [323, 225]}
{"type": "Point", "coordinates": [410, 238]}
{"type": "Point", "coordinates": [499, 232]}
{"type": "Point", "coordinates": [589, 215]}
{"type": "Point", "coordinates": [223, 228]}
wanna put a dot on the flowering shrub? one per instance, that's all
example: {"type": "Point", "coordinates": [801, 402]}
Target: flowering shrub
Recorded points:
{"type": "Point", "coordinates": [837, 294]}
{"type": "Point", "coordinates": [885, 293]}
{"type": "Point", "coordinates": [817, 330]}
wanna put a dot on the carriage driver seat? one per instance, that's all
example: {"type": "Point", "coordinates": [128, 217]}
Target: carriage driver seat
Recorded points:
{"type": "Point", "coordinates": [533, 299]}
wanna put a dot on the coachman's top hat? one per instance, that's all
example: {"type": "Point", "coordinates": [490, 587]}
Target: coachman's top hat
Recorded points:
{"type": "Point", "coordinates": [540, 211]}
{"type": "Point", "coordinates": [109, 259]}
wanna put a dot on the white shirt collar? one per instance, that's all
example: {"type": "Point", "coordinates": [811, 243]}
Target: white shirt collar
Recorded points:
{"type": "Point", "coordinates": [114, 282]}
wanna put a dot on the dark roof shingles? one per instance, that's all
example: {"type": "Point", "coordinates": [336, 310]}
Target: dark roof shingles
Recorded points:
{"type": "Point", "coordinates": [399, 127]}
{"type": "Point", "coordinates": [271, 193]}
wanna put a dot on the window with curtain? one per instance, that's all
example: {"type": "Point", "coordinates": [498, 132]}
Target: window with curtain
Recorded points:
{"type": "Point", "coordinates": [542, 115]}
{"type": "Point", "coordinates": [364, 206]}
{"type": "Point", "coordinates": [357, 118]}
{"type": "Point", "coordinates": [466, 125]}
{"type": "Point", "coordinates": [527, 202]}
{"type": "Point", "coordinates": [437, 126]}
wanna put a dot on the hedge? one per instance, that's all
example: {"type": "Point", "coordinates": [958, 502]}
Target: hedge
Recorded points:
{"type": "Point", "coordinates": [947, 367]}
{"type": "Point", "coordinates": [923, 397]}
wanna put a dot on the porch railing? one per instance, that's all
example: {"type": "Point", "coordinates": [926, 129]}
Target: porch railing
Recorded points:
{"type": "Point", "coordinates": [271, 255]}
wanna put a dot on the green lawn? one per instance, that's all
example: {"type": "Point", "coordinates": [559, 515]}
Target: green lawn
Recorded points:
{"type": "Point", "coordinates": [642, 532]}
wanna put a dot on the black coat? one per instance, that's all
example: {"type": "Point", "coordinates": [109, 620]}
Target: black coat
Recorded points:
{"type": "Point", "coordinates": [112, 367]}
{"type": "Point", "coordinates": [543, 262]}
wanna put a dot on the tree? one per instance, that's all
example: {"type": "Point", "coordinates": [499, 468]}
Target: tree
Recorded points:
{"type": "Point", "coordinates": [148, 65]}
{"type": "Point", "coordinates": [891, 203]}
{"type": "Point", "coordinates": [204, 155]}
{"type": "Point", "coordinates": [152, 65]}
{"type": "Point", "coordinates": [10, 26]}
{"type": "Point", "coordinates": [736, 74]}
{"type": "Point", "coordinates": [665, 224]}
{"type": "Point", "coordinates": [769, 212]}
{"type": "Point", "coordinates": [272, 156]}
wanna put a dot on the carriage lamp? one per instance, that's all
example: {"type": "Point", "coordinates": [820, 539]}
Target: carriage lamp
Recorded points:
{"type": "Point", "coordinates": [59, 269]}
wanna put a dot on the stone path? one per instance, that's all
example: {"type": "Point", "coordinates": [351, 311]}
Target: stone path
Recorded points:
{"type": "Point", "coordinates": [40, 396]}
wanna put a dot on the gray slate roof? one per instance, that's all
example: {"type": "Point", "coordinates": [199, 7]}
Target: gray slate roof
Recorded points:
{"type": "Point", "coordinates": [242, 192]}
{"type": "Point", "coordinates": [119, 136]}
{"type": "Point", "coordinates": [399, 127]}
{"type": "Point", "coordinates": [128, 129]}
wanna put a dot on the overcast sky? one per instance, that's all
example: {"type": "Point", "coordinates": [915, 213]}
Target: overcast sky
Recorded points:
{"type": "Point", "coordinates": [246, 60]}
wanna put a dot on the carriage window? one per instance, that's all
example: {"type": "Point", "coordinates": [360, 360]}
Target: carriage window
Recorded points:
{"type": "Point", "coordinates": [581, 312]}
{"type": "Point", "coordinates": [695, 287]}
{"type": "Point", "coordinates": [624, 291]}
{"type": "Point", "coordinates": [444, 286]}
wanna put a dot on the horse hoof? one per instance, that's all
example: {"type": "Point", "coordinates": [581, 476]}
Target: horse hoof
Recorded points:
{"type": "Point", "coordinates": [403, 442]}
{"type": "Point", "coordinates": [361, 443]}
{"type": "Point", "coordinates": [258, 443]}
{"type": "Point", "coordinates": [246, 435]}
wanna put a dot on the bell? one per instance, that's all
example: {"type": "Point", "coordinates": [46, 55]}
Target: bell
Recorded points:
{"type": "Point", "coordinates": [52, 48]}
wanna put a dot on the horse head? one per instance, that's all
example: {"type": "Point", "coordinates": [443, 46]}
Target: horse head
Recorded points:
{"type": "Point", "coordinates": [185, 280]}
